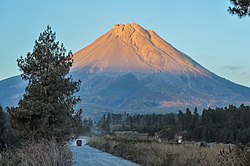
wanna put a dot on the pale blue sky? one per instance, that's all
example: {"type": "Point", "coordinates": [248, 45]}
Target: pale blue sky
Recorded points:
{"type": "Point", "coordinates": [202, 29]}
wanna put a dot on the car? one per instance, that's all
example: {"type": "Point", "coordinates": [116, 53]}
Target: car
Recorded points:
{"type": "Point", "coordinates": [79, 142]}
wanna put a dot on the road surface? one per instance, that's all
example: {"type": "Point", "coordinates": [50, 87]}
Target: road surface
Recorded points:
{"type": "Point", "coordinates": [88, 156]}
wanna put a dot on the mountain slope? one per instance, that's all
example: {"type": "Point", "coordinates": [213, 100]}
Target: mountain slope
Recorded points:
{"type": "Point", "coordinates": [132, 69]}
{"type": "Point", "coordinates": [130, 48]}
{"type": "Point", "coordinates": [11, 90]}
{"type": "Point", "coordinates": [166, 76]}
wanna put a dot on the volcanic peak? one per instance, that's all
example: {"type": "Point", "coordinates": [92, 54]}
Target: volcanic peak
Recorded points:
{"type": "Point", "coordinates": [131, 48]}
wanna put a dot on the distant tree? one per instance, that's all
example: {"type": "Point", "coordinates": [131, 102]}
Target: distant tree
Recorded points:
{"type": "Point", "coordinates": [207, 125]}
{"type": "Point", "coordinates": [240, 8]}
{"type": "Point", "coordinates": [109, 117]}
{"type": "Point", "coordinates": [90, 123]}
{"type": "Point", "coordinates": [195, 125]}
{"type": "Point", "coordinates": [87, 126]}
{"type": "Point", "coordinates": [188, 117]}
{"type": "Point", "coordinates": [104, 125]}
{"type": "Point", "coordinates": [7, 136]}
{"type": "Point", "coordinates": [181, 120]}
{"type": "Point", "coordinates": [2, 124]}
{"type": "Point", "coordinates": [77, 123]}
{"type": "Point", "coordinates": [195, 118]}
{"type": "Point", "coordinates": [228, 124]}
{"type": "Point", "coordinates": [46, 109]}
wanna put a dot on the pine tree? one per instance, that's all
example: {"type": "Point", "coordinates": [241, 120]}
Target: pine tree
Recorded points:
{"type": "Point", "coordinates": [188, 120]}
{"type": "Point", "coordinates": [181, 120]}
{"type": "Point", "coordinates": [240, 8]}
{"type": "Point", "coordinates": [77, 124]}
{"type": "Point", "coordinates": [46, 109]}
{"type": "Point", "coordinates": [7, 136]}
{"type": "Point", "coordinates": [2, 124]}
{"type": "Point", "coordinates": [104, 125]}
{"type": "Point", "coordinates": [195, 125]}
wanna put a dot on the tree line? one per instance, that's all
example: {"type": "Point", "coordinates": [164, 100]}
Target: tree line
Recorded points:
{"type": "Point", "coordinates": [228, 124]}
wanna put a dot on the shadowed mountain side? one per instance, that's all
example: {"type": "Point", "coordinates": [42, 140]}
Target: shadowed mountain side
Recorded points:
{"type": "Point", "coordinates": [132, 91]}
{"type": "Point", "coordinates": [132, 69]}
{"type": "Point", "coordinates": [11, 91]}
{"type": "Point", "coordinates": [142, 93]}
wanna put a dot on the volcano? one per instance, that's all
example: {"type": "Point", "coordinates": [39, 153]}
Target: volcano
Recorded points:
{"type": "Point", "coordinates": [134, 70]}
{"type": "Point", "coordinates": [130, 48]}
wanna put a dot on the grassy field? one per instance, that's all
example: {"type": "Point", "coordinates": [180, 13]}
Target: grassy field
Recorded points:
{"type": "Point", "coordinates": [150, 153]}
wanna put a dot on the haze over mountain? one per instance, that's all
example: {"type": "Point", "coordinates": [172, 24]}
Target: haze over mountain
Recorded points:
{"type": "Point", "coordinates": [132, 69]}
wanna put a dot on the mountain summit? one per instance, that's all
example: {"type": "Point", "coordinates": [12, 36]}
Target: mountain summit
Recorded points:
{"type": "Point", "coordinates": [131, 48]}
{"type": "Point", "coordinates": [134, 70]}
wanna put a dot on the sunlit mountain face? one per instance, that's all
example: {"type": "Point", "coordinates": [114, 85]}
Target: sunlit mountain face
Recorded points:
{"type": "Point", "coordinates": [130, 48]}
{"type": "Point", "coordinates": [134, 70]}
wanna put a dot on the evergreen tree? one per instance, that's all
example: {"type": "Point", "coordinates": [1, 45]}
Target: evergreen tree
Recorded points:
{"type": "Point", "coordinates": [77, 123]}
{"type": "Point", "coordinates": [229, 124]}
{"type": "Point", "coordinates": [46, 109]}
{"type": "Point", "coordinates": [104, 125]}
{"type": "Point", "coordinates": [7, 136]}
{"type": "Point", "coordinates": [195, 125]}
{"type": "Point", "coordinates": [90, 124]}
{"type": "Point", "coordinates": [2, 124]}
{"type": "Point", "coordinates": [195, 118]}
{"type": "Point", "coordinates": [188, 120]}
{"type": "Point", "coordinates": [181, 120]}
{"type": "Point", "coordinates": [240, 8]}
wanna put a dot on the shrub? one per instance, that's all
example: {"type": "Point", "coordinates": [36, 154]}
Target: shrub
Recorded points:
{"type": "Point", "coordinates": [43, 153]}
{"type": "Point", "coordinates": [238, 155]}
{"type": "Point", "coordinates": [159, 154]}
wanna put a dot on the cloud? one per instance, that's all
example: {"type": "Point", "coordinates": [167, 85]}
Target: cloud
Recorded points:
{"type": "Point", "coordinates": [230, 67]}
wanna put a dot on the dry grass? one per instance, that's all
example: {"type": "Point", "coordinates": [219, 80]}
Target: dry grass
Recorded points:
{"type": "Point", "coordinates": [43, 153]}
{"type": "Point", "coordinates": [239, 156]}
{"type": "Point", "coordinates": [160, 154]}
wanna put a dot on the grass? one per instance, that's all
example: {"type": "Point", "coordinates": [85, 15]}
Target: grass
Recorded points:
{"type": "Point", "coordinates": [161, 154]}
{"type": "Point", "coordinates": [43, 153]}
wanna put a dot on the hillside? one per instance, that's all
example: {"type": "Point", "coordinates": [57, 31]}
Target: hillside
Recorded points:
{"type": "Point", "coordinates": [135, 70]}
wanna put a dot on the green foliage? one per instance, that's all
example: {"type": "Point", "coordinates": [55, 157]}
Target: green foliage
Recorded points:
{"type": "Point", "coordinates": [2, 128]}
{"type": "Point", "coordinates": [46, 109]}
{"type": "Point", "coordinates": [77, 123]}
{"type": "Point", "coordinates": [240, 8]}
{"type": "Point", "coordinates": [143, 123]}
{"type": "Point", "coordinates": [7, 136]}
{"type": "Point", "coordinates": [87, 126]}
{"type": "Point", "coordinates": [104, 124]}
{"type": "Point", "coordinates": [229, 124]}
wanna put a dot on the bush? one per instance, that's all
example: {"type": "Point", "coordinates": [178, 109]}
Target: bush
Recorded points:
{"type": "Point", "coordinates": [238, 155]}
{"type": "Point", "coordinates": [43, 153]}
{"type": "Point", "coordinates": [7, 134]}
{"type": "Point", "coordinates": [160, 154]}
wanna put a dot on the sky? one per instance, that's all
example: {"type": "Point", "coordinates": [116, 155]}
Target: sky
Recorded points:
{"type": "Point", "coordinates": [203, 30]}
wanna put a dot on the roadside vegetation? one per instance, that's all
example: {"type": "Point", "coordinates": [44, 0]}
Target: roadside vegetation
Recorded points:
{"type": "Point", "coordinates": [227, 125]}
{"type": "Point", "coordinates": [41, 153]}
{"type": "Point", "coordinates": [153, 153]}
{"type": "Point", "coordinates": [218, 136]}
